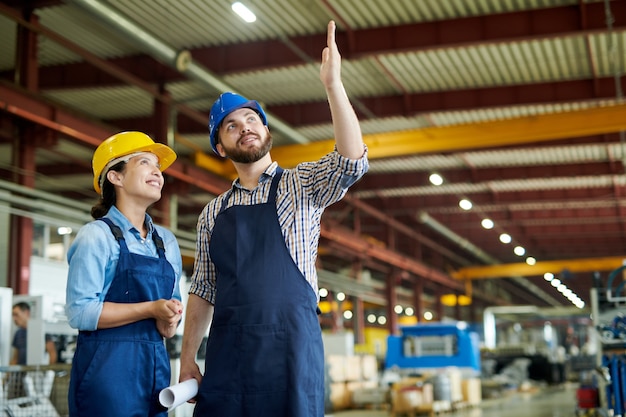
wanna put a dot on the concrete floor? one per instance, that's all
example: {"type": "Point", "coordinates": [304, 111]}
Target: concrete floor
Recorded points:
{"type": "Point", "coordinates": [554, 401]}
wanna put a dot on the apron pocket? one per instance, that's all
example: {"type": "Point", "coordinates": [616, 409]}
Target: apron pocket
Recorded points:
{"type": "Point", "coordinates": [264, 358]}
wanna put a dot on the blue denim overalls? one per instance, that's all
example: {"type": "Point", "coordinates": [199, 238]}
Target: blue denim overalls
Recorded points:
{"type": "Point", "coordinates": [120, 371]}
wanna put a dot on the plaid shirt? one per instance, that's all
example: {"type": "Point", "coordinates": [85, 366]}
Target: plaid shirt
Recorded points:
{"type": "Point", "coordinates": [303, 194]}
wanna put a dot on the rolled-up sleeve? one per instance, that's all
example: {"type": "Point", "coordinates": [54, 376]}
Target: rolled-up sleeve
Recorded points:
{"type": "Point", "coordinates": [88, 258]}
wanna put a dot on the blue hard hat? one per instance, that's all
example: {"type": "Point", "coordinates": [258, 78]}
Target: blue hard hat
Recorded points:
{"type": "Point", "coordinates": [223, 106]}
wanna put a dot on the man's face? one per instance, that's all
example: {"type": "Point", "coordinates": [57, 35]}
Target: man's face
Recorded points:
{"type": "Point", "coordinates": [243, 137]}
{"type": "Point", "coordinates": [20, 317]}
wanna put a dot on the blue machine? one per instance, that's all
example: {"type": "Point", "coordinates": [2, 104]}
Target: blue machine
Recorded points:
{"type": "Point", "coordinates": [436, 345]}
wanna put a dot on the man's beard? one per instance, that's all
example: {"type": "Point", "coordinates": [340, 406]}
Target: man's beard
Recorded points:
{"type": "Point", "coordinates": [248, 156]}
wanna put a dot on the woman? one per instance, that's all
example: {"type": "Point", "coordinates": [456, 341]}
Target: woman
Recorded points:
{"type": "Point", "coordinates": [123, 285]}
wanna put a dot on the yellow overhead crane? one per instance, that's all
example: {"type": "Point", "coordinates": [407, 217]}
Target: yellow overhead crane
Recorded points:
{"type": "Point", "coordinates": [540, 268]}
{"type": "Point", "coordinates": [518, 131]}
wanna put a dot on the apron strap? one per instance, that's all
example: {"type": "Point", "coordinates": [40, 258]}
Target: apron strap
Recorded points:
{"type": "Point", "coordinates": [117, 232]}
{"type": "Point", "coordinates": [275, 181]}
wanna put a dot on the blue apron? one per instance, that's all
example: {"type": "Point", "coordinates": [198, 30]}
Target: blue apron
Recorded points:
{"type": "Point", "coordinates": [120, 371]}
{"type": "Point", "coordinates": [264, 355]}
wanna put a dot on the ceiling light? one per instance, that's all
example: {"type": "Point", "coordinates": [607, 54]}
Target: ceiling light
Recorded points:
{"type": "Point", "coordinates": [548, 276]}
{"type": "Point", "coordinates": [555, 282]}
{"type": "Point", "coordinates": [382, 320]}
{"type": "Point", "coordinates": [519, 251]}
{"type": "Point", "coordinates": [243, 12]}
{"type": "Point", "coordinates": [465, 204]}
{"type": "Point", "coordinates": [340, 296]}
{"type": "Point", "coordinates": [531, 261]}
{"type": "Point", "coordinates": [487, 223]}
{"type": "Point", "coordinates": [64, 230]}
{"type": "Point", "coordinates": [371, 318]}
{"type": "Point", "coordinates": [323, 292]}
{"type": "Point", "coordinates": [347, 314]}
{"type": "Point", "coordinates": [398, 309]}
{"type": "Point", "coordinates": [505, 238]}
{"type": "Point", "coordinates": [408, 311]}
{"type": "Point", "coordinates": [435, 179]}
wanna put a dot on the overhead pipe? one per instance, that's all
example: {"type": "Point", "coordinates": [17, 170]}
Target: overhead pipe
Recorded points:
{"type": "Point", "coordinates": [426, 219]}
{"type": "Point", "coordinates": [180, 60]}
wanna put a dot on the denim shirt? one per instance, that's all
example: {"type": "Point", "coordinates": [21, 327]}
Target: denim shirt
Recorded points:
{"type": "Point", "coordinates": [93, 260]}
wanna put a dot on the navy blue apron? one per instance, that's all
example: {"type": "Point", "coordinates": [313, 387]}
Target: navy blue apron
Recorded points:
{"type": "Point", "coordinates": [120, 371]}
{"type": "Point", "coordinates": [264, 355]}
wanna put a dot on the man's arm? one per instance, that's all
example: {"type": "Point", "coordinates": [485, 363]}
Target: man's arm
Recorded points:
{"type": "Point", "coordinates": [14, 357]}
{"type": "Point", "coordinates": [198, 317]}
{"type": "Point", "coordinates": [52, 351]}
{"type": "Point", "coordinates": [346, 126]}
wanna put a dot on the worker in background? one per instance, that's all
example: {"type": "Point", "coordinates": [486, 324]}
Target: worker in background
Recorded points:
{"type": "Point", "coordinates": [123, 285]}
{"type": "Point", "coordinates": [254, 281]}
{"type": "Point", "coordinates": [21, 315]}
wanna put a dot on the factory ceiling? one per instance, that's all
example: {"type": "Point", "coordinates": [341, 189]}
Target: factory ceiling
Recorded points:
{"type": "Point", "coordinates": [517, 105]}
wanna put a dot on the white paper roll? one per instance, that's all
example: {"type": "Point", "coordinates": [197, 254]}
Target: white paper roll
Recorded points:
{"type": "Point", "coordinates": [173, 396]}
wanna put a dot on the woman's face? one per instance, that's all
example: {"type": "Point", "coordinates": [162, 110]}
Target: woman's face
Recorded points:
{"type": "Point", "coordinates": [141, 177]}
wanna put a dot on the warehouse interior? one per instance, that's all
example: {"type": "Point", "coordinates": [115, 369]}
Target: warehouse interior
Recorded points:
{"type": "Point", "coordinates": [496, 140]}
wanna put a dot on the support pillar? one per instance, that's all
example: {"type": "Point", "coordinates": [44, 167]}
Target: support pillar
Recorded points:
{"type": "Point", "coordinates": [418, 294]}
{"type": "Point", "coordinates": [163, 208]}
{"type": "Point", "coordinates": [392, 300]}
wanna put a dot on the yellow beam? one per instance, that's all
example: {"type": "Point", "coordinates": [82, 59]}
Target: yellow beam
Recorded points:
{"type": "Point", "coordinates": [528, 129]}
{"type": "Point", "coordinates": [540, 268]}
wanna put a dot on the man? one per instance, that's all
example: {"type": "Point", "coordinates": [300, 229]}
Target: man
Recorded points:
{"type": "Point", "coordinates": [21, 315]}
{"type": "Point", "coordinates": [254, 280]}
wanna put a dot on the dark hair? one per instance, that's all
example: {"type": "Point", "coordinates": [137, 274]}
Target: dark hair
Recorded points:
{"type": "Point", "coordinates": [108, 196]}
{"type": "Point", "coordinates": [22, 306]}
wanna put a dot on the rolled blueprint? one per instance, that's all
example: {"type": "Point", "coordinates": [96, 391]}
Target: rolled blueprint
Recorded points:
{"type": "Point", "coordinates": [173, 396]}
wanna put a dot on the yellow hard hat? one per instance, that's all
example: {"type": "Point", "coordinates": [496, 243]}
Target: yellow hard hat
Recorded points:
{"type": "Point", "coordinates": [126, 143]}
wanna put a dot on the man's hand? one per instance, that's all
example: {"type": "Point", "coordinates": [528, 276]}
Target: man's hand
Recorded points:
{"type": "Point", "coordinates": [330, 69]}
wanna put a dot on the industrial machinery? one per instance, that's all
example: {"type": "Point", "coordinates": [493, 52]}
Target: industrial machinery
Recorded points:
{"type": "Point", "coordinates": [436, 345]}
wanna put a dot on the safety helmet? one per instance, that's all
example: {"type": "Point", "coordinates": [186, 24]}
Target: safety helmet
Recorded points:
{"type": "Point", "coordinates": [223, 106]}
{"type": "Point", "coordinates": [126, 143]}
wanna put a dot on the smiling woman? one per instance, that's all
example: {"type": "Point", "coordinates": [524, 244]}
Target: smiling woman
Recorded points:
{"type": "Point", "coordinates": [123, 284]}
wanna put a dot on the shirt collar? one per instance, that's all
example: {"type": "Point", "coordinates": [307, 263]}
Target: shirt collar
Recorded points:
{"type": "Point", "coordinates": [120, 220]}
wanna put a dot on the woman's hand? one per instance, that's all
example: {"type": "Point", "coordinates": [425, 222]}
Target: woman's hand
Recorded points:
{"type": "Point", "coordinates": [167, 314]}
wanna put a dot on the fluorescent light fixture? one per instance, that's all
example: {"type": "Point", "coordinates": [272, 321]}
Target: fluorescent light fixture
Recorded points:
{"type": "Point", "coordinates": [435, 179]}
{"type": "Point", "coordinates": [505, 238]}
{"type": "Point", "coordinates": [465, 204]}
{"type": "Point", "coordinates": [243, 12]}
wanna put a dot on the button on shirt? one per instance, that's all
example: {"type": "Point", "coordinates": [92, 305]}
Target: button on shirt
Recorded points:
{"type": "Point", "coordinates": [303, 194]}
{"type": "Point", "coordinates": [93, 260]}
